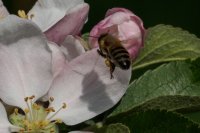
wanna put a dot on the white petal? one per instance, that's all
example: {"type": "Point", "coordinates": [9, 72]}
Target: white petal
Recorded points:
{"type": "Point", "coordinates": [5, 126]}
{"type": "Point", "coordinates": [58, 58]}
{"type": "Point", "coordinates": [85, 86]}
{"type": "Point", "coordinates": [3, 10]}
{"type": "Point", "coordinates": [72, 48]}
{"type": "Point", "coordinates": [51, 10]}
{"type": "Point", "coordinates": [25, 60]}
{"type": "Point", "coordinates": [70, 24]}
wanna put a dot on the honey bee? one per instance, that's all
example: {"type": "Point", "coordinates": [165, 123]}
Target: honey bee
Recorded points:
{"type": "Point", "coordinates": [114, 53]}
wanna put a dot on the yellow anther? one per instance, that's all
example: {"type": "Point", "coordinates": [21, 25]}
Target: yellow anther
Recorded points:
{"type": "Point", "coordinates": [58, 121]}
{"type": "Point", "coordinates": [52, 130]}
{"type": "Point", "coordinates": [41, 125]}
{"type": "Point", "coordinates": [26, 122]}
{"type": "Point", "coordinates": [51, 99]}
{"type": "Point", "coordinates": [26, 111]}
{"type": "Point", "coordinates": [50, 109]}
{"type": "Point", "coordinates": [16, 111]}
{"type": "Point", "coordinates": [53, 110]}
{"type": "Point", "coordinates": [36, 106]}
{"type": "Point", "coordinates": [22, 14]}
{"type": "Point", "coordinates": [64, 105]}
{"type": "Point", "coordinates": [26, 99]}
{"type": "Point", "coordinates": [31, 16]}
{"type": "Point", "coordinates": [45, 122]}
{"type": "Point", "coordinates": [21, 130]}
{"type": "Point", "coordinates": [29, 129]}
{"type": "Point", "coordinates": [32, 97]}
{"type": "Point", "coordinates": [36, 123]}
{"type": "Point", "coordinates": [47, 110]}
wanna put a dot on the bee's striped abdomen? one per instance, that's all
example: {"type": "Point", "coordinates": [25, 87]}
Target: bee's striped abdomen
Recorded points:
{"type": "Point", "coordinates": [121, 57]}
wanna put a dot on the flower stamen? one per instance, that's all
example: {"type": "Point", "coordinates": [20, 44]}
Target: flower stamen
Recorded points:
{"type": "Point", "coordinates": [16, 111]}
{"type": "Point", "coordinates": [51, 99]}
{"type": "Point", "coordinates": [63, 107]}
{"type": "Point", "coordinates": [35, 118]}
{"type": "Point", "coordinates": [29, 109]}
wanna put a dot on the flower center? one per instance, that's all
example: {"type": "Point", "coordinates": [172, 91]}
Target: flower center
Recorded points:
{"type": "Point", "coordinates": [34, 119]}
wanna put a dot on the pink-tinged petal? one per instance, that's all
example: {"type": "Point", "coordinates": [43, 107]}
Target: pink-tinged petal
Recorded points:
{"type": "Point", "coordinates": [5, 126]}
{"type": "Point", "coordinates": [58, 59]}
{"type": "Point", "coordinates": [85, 86]}
{"type": "Point", "coordinates": [126, 32]}
{"type": "Point", "coordinates": [25, 60]}
{"type": "Point", "coordinates": [132, 16]}
{"type": "Point", "coordinates": [71, 24]}
{"type": "Point", "coordinates": [118, 9]}
{"type": "Point", "coordinates": [131, 39]}
{"type": "Point", "coordinates": [72, 48]}
{"type": "Point", "coordinates": [46, 13]}
{"type": "Point", "coordinates": [3, 10]}
{"type": "Point", "coordinates": [140, 24]}
{"type": "Point", "coordinates": [110, 21]}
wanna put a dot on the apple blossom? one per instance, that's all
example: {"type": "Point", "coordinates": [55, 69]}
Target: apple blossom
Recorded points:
{"type": "Point", "coordinates": [78, 89]}
{"type": "Point", "coordinates": [124, 25]}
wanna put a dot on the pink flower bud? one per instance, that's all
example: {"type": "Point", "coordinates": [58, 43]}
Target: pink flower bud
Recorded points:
{"type": "Point", "coordinates": [124, 25]}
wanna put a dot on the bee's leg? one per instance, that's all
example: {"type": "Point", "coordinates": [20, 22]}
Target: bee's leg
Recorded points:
{"type": "Point", "coordinates": [111, 66]}
{"type": "Point", "coordinates": [101, 53]}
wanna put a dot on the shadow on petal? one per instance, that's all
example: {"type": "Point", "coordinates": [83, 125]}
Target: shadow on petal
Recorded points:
{"type": "Point", "coordinates": [96, 96]}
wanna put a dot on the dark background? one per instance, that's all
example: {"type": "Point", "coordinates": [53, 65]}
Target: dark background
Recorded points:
{"type": "Point", "coordinates": [181, 13]}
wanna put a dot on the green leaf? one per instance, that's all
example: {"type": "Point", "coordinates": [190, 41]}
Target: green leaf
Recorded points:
{"type": "Point", "coordinates": [166, 43]}
{"type": "Point", "coordinates": [171, 86]}
{"type": "Point", "coordinates": [117, 128]}
{"type": "Point", "coordinates": [194, 116]}
{"type": "Point", "coordinates": [156, 121]}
